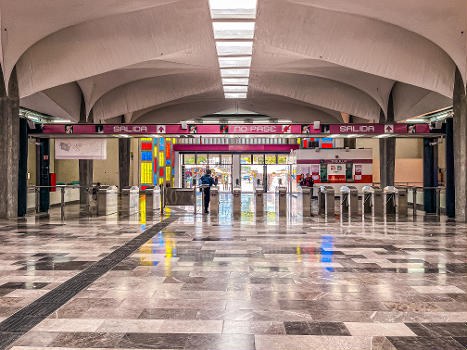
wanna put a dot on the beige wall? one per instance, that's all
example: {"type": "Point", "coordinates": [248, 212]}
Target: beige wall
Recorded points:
{"type": "Point", "coordinates": [409, 159]}
{"type": "Point", "coordinates": [66, 170]}
{"type": "Point", "coordinates": [106, 171]}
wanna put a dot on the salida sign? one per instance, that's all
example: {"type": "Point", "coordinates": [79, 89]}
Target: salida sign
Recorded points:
{"type": "Point", "coordinates": [368, 129]}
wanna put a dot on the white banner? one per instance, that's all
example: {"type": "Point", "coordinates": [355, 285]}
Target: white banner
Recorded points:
{"type": "Point", "coordinates": [74, 148]}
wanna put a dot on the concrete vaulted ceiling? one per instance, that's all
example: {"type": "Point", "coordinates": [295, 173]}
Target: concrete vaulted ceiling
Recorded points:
{"type": "Point", "coordinates": [156, 60]}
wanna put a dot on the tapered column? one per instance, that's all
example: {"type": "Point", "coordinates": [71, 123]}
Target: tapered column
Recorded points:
{"type": "Point", "coordinates": [460, 147]}
{"type": "Point", "coordinates": [387, 150]}
{"type": "Point", "coordinates": [124, 162]}
{"type": "Point", "coordinates": [86, 166]}
{"type": "Point", "coordinates": [9, 137]}
{"type": "Point", "coordinates": [450, 185]}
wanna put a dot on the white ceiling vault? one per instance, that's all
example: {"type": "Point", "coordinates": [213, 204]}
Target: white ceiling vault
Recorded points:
{"type": "Point", "coordinates": [301, 60]}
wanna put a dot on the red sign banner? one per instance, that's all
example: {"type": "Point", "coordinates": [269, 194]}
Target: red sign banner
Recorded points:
{"type": "Point", "coordinates": [368, 129]}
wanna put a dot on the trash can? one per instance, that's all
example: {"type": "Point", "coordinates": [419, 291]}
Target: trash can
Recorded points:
{"type": "Point", "coordinates": [372, 201]}
{"type": "Point", "coordinates": [326, 200]}
{"type": "Point", "coordinates": [348, 201]}
{"type": "Point", "coordinates": [107, 200]}
{"type": "Point", "coordinates": [282, 201]}
{"type": "Point", "coordinates": [129, 203]}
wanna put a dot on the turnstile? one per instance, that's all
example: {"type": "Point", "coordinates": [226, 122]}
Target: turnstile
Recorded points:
{"type": "Point", "coordinates": [348, 201]}
{"type": "Point", "coordinates": [107, 200]}
{"type": "Point", "coordinates": [153, 199]}
{"type": "Point", "coordinates": [372, 201]}
{"type": "Point", "coordinates": [395, 201]}
{"type": "Point", "coordinates": [259, 200]}
{"type": "Point", "coordinates": [214, 203]}
{"type": "Point", "coordinates": [306, 193]}
{"type": "Point", "coordinates": [129, 203]}
{"type": "Point", "coordinates": [282, 192]}
{"type": "Point", "coordinates": [237, 202]}
{"type": "Point", "coordinates": [326, 201]}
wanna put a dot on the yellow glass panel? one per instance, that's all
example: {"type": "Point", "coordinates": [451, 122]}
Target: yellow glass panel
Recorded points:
{"type": "Point", "coordinates": [161, 159]}
{"type": "Point", "coordinates": [146, 173]}
{"type": "Point", "coordinates": [146, 139]}
{"type": "Point", "coordinates": [161, 181]}
{"type": "Point", "coordinates": [167, 173]}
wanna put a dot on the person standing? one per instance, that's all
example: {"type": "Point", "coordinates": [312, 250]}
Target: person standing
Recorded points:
{"type": "Point", "coordinates": [207, 181]}
{"type": "Point", "coordinates": [309, 180]}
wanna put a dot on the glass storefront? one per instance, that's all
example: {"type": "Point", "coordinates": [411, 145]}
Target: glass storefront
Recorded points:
{"type": "Point", "coordinates": [270, 169]}
{"type": "Point", "coordinates": [195, 166]}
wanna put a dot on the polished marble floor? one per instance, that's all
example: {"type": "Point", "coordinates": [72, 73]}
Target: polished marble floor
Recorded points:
{"type": "Point", "coordinates": [221, 283]}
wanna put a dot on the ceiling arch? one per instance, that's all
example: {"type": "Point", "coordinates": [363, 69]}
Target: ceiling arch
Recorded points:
{"type": "Point", "coordinates": [356, 42]}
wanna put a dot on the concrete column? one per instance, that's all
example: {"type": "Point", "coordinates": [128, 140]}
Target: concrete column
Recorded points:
{"type": "Point", "coordinates": [85, 179]}
{"type": "Point", "coordinates": [43, 173]}
{"type": "Point", "coordinates": [124, 162]}
{"type": "Point", "coordinates": [450, 187]}
{"type": "Point", "coordinates": [387, 149]}
{"type": "Point", "coordinates": [85, 165]}
{"type": "Point", "coordinates": [460, 147]}
{"type": "Point", "coordinates": [430, 174]}
{"type": "Point", "coordinates": [9, 137]}
{"type": "Point", "coordinates": [23, 167]}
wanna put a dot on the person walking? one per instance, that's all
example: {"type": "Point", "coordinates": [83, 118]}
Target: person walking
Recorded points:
{"type": "Point", "coordinates": [207, 181]}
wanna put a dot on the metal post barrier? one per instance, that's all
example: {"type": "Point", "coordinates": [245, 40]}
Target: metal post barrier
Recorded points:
{"type": "Point", "coordinates": [438, 200]}
{"type": "Point", "coordinates": [62, 203]}
{"type": "Point", "coordinates": [214, 203]}
{"type": "Point", "coordinates": [237, 201]}
{"type": "Point", "coordinates": [306, 200]}
{"type": "Point", "coordinates": [327, 201]}
{"type": "Point", "coordinates": [414, 201]}
{"type": "Point", "coordinates": [402, 201]}
{"type": "Point", "coordinates": [259, 200]}
{"type": "Point", "coordinates": [37, 194]}
{"type": "Point", "coordinates": [153, 199]}
{"type": "Point", "coordinates": [282, 200]}
{"type": "Point", "coordinates": [349, 201]}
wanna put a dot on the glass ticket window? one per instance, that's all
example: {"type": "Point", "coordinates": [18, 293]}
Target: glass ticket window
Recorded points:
{"type": "Point", "coordinates": [270, 159]}
{"type": "Point", "coordinates": [189, 159]}
{"type": "Point", "coordinates": [202, 159]}
{"type": "Point", "coordinates": [245, 159]}
{"type": "Point", "coordinates": [226, 159]}
{"type": "Point", "coordinates": [258, 159]}
{"type": "Point", "coordinates": [282, 159]}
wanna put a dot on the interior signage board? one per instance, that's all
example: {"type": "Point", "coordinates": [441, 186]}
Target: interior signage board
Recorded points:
{"type": "Point", "coordinates": [240, 129]}
{"type": "Point", "coordinates": [368, 129]}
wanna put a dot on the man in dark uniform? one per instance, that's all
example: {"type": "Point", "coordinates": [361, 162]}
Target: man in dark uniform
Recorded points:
{"type": "Point", "coordinates": [208, 181]}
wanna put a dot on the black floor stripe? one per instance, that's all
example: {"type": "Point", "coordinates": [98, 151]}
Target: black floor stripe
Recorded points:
{"type": "Point", "coordinates": [30, 316]}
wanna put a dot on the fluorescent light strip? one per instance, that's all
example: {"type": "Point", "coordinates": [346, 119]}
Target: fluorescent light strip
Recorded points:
{"type": "Point", "coordinates": [234, 28]}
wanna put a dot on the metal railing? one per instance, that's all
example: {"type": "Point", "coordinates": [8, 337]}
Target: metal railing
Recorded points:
{"type": "Point", "coordinates": [62, 188]}
{"type": "Point", "coordinates": [437, 189]}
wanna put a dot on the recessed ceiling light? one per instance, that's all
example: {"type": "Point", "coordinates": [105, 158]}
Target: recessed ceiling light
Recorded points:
{"type": "Point", "coordinates": [235, 95]}
{"type": "Point", "coordinates": [232, 72]}
{"type": "Point", "coordinates": [231, 48]}
{"type": "Point", "coordinates": [240, 88]}
{"type": "Point", "coordinates": [234, 81]}
{"type": "Point", "coordinates": [225, 62]}
{"type": "Point", "coordinates": [244, 9]}
{"type": "Point", "coordinates": [234, 30]}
